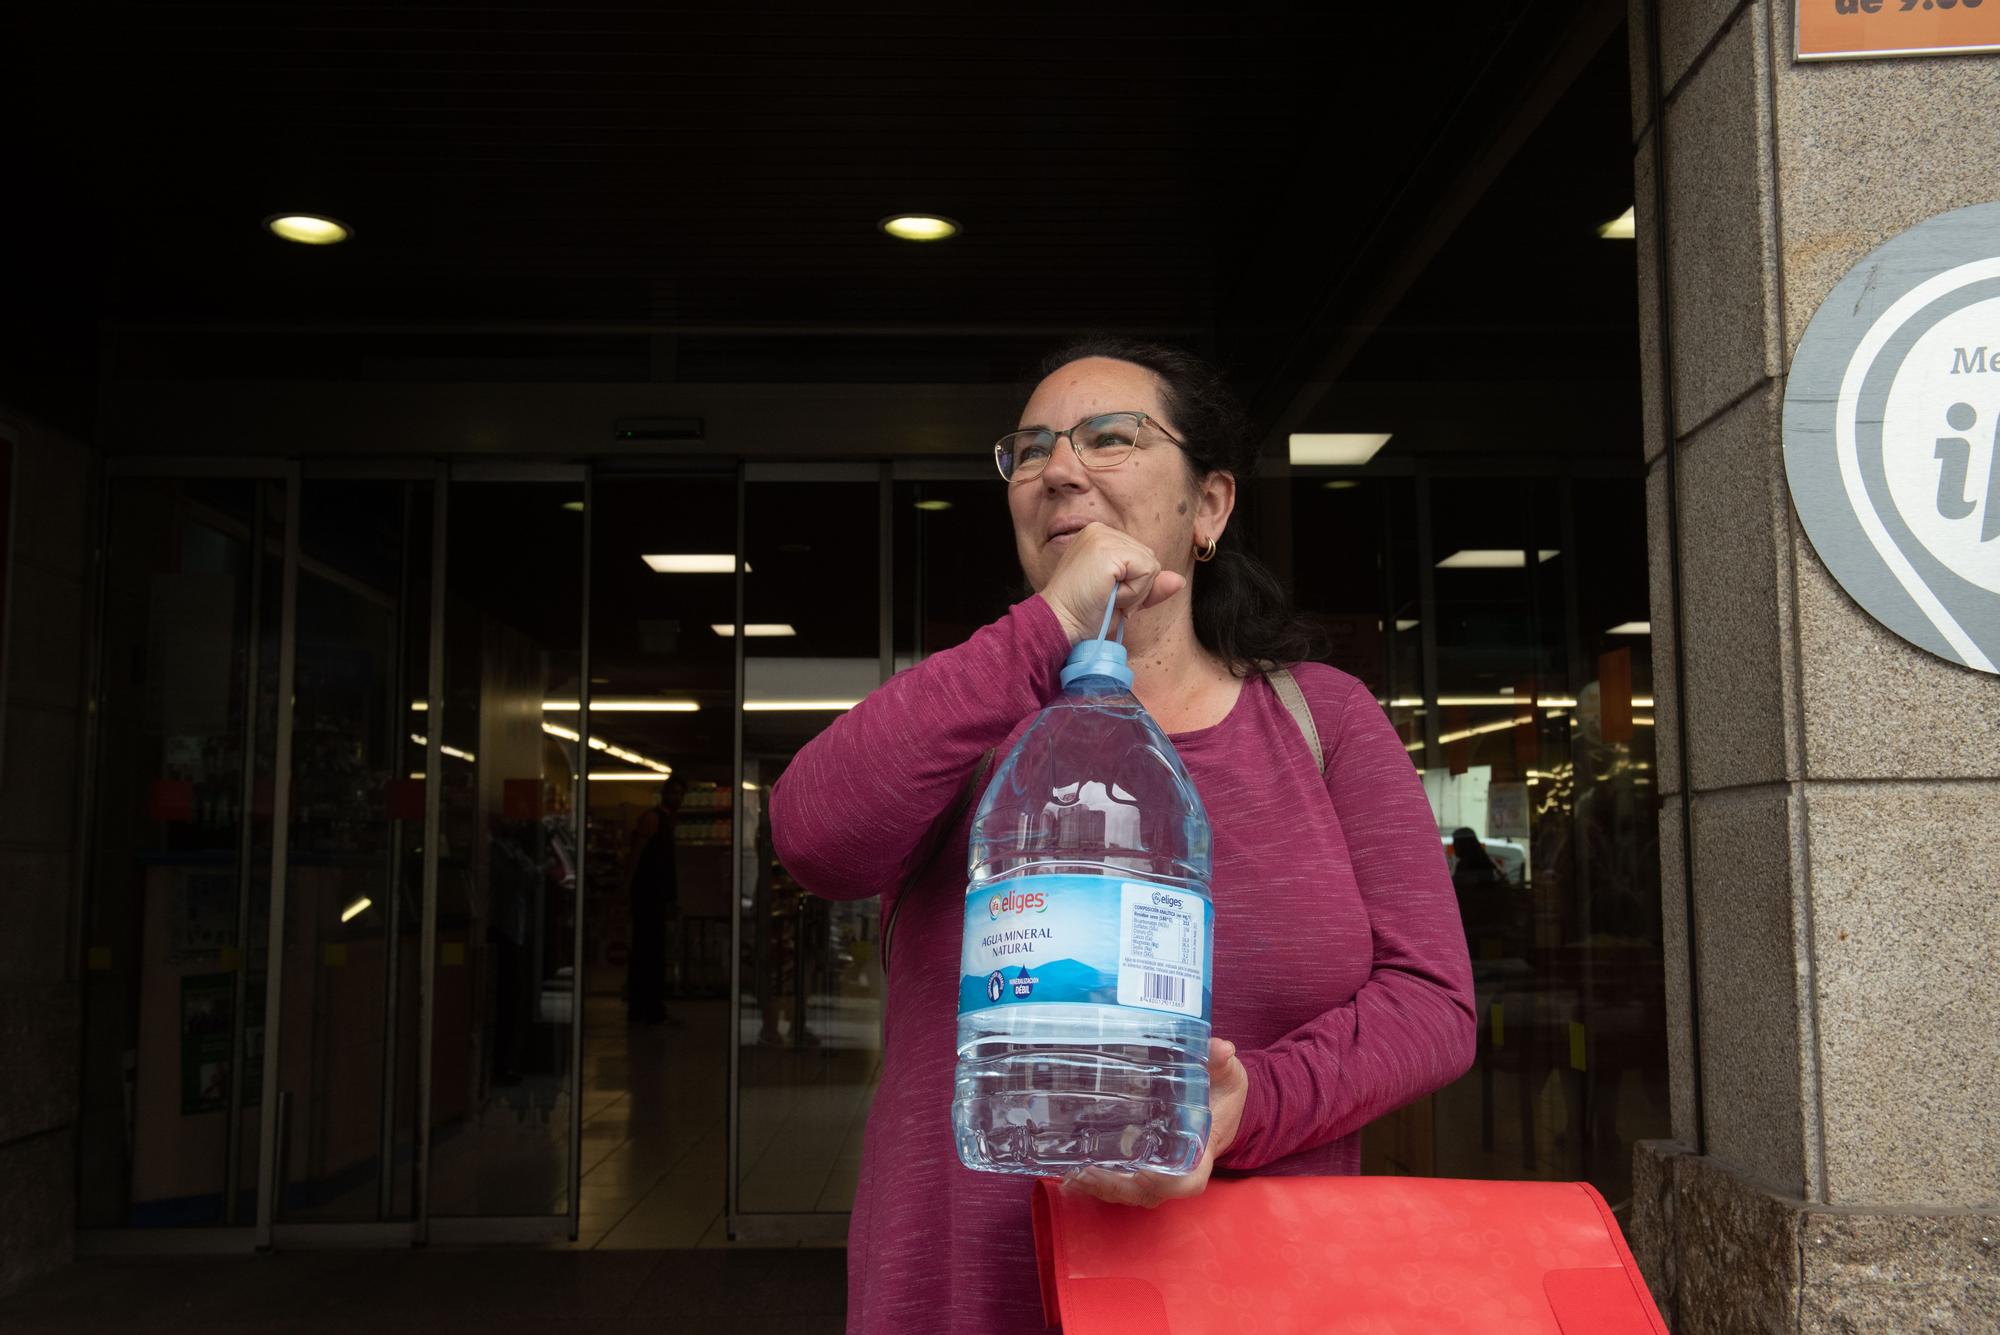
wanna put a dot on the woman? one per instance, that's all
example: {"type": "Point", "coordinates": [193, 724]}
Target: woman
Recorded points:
{"type": "Point", "coordinates": [1341, 983]}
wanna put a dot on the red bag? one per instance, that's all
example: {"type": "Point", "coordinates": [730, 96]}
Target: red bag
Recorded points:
{"type": "Point", "coordinates": [1347, 1254]}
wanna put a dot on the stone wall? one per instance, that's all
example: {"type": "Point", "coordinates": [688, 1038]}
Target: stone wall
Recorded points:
{"type": "Point", "coordinates": [1836, 987]}
{"type": "Point", "coordinates": [41, 747]}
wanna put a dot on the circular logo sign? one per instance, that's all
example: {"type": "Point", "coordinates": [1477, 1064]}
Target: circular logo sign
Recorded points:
{"type": "Point", "coordinates": [1892, 434]}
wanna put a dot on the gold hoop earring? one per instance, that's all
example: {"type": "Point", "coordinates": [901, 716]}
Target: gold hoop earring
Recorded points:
{"type": "Point", "coordinates": [1207, 553]}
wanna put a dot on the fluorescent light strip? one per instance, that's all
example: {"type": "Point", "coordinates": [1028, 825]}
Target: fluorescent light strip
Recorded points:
{"type": "Point", "coordinates": [1493, 558]}
{"type": "Point", "coordinates": [1547, 702]}
{"type": "Point", "coordinates": [796, 706]}
{"type": "Point", "coordinates": [451, 751]}
{"type": "Point", "coordinates": [625, 776]}
{"type": "Point", "coordinates": [623, 706]}
{"type": "Point", "coordinates": [1349, 449]}
{"type": "Point", "coordinates": [1465, 734]}
{"type": "Point", "coordinates": [751, 630]}
{"type": "Point", "coordinates": [659, 769]}
{"type": "Point", "coordinates": [693, 563]}
{"type": "Point", "coordinates": [1622, 228]}
{"type": "Point", "coordinates": [1631, 628]}
{"type": "Point", "coordinates": [356, 909]}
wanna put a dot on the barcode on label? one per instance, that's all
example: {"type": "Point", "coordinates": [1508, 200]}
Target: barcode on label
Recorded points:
{"type": "Point", "coordinates": [1164, 987]}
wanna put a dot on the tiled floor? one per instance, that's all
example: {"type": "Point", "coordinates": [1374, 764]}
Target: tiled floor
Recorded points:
{"type": "Point", "coordinates": [495, 1292]}
{"type": "Point", "coordinates": [655, 1151]}
{"type": "Point", "coordinates": [654, 1127]}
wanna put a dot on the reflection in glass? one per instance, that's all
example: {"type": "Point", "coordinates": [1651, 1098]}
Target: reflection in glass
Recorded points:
{"type": "Point", "coordinates": [348, 1033]}
{"type": "Point", "coordinates": [500, 1102]}
{"type": "Point", "coordinates": [659, 905]}
{"type": "Point", "coordinates": [1541, 780]}
{"type": "Point", "coordinates": [811, 1009]}
{"type": "Point", "coordinates": [177, 912]}
{"type": "Point", "coordinates": [955, 567]}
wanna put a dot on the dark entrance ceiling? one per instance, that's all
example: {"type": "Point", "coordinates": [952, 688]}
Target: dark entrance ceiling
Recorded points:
{"type": "Point", "coordinates": [691, 192]}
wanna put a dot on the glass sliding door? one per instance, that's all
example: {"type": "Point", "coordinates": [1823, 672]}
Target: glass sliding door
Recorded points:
{"type": "Point", "coordinates": [660, 902]}
{"type": "Point", "coordinates": [505, 777]}
{"type": "Point", "coordinates": [179, 893]}
{"type": "Point", "coordinates": [808, 1033]}
{"type": "Point", "coordinates": [349, 1027]}
{"type": "Point", "coordinates": [1502, 622]}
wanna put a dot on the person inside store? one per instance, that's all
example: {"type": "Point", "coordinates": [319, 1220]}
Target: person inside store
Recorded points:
{"type": "Point", "coordinates": [1342, 987]}
{"type": "Point", "coordinates": [655, 900]}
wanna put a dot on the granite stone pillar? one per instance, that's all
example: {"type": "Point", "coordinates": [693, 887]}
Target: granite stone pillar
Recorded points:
{"type": "Point", "coordinates": [1834, 994]}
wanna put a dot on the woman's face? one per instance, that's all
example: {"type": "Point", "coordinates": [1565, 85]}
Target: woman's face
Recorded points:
{"type": "Point", "coordinates": [1148, 495]}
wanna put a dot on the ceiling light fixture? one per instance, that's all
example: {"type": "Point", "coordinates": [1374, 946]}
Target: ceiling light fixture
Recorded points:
{"type": "Point", "coordinates": [768, 629]}
{"type": "Point", "coordinates": [919, 227]}
{"type": "Point", "coordinates": [644, 705]}
{"type": "Point", "coordinates": [796, 706]}
{"type": "Point", "coordinates": [308, 229]}
{"type": "Point", "coordinates": [1631, 628]}
{"type": "Point", "coordinates": [1350, 449]}
{"type": "Point", "coordinates": [574, 507]}
{"type": "Point", "coordinates": [356, 909]}
{"type": "Point", "coordinates": [1484, 558]}
{"type": "Point", "coordinates": [935, 507]}
{"type": "Point", "coordinates": [1341, 484]}
{"type": "Point", "coordinates": [693, 563]}
{"type": "Point", "coordinates": [1622, 228]}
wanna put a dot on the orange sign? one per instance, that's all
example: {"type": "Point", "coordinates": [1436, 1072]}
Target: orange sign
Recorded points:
{"type": "Point", "coordinates": [1846, 29]}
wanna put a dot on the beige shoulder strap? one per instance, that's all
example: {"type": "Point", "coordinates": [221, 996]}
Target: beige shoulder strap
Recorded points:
{"type": "Point", "coordinates": [1294, 701]}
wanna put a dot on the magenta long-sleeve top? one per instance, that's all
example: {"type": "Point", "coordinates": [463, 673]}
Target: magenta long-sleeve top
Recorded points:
{"type": "Point", "coordinates": [1340, 966]}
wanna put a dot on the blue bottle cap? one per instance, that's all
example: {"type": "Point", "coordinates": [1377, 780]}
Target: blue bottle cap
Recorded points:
{"type": "Point", "coordinates": [1097, 658]}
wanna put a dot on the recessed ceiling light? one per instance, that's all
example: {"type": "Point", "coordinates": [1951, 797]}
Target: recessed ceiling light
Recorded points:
{"type": "Point", "coordinates": [754, 628]}
{"type": "Point", "coordinates": [1342, 448]}
{"type": "Point", "coordinates": [920, 227]}
{"type": "Point", "coordinates": [1477, 558]}
{"type": "Point", "coordinates": [309, 229]}
{"type": "Point", "coordinates": [693, 563]}
{"type": "Point", "coordinates": [1622, 228]}
{"type": "Point", "coordinates": [934, 506]}
{"type": "Point", "coordinates": [1631, 628]}
{"type": "Point", "coordinates": [1342, 484]}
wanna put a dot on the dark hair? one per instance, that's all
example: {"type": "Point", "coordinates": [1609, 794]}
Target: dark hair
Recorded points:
{"type": "Point", "coordinates": [1242, 614]}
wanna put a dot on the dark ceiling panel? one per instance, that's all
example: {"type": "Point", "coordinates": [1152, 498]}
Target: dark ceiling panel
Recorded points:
{"type": "Point", "coordinates": [1210, 169]}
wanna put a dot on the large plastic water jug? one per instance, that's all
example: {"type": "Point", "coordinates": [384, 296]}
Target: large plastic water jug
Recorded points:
{"type": "Point", "coordinates": [1085, 987]}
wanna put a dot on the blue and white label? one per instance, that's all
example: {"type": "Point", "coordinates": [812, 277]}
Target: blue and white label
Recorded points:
{"type": "Point", "coordinates": [1100, 940]}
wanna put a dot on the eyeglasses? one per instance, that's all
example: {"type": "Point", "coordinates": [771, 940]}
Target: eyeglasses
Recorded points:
{"type": "Point", "coordinates": [1103, 441]}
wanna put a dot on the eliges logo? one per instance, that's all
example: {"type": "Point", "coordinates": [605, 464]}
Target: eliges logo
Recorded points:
{"type": "Point", "coordinates": [1171, 903]}
{"type": "Point", "coordinates": [1892, 435]}
{"type": "Point", "coordinates": [1017, 904]}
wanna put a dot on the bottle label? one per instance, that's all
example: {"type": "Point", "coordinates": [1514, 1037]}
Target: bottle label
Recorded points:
{"type": "Point", "coordinates": [1102, 940]}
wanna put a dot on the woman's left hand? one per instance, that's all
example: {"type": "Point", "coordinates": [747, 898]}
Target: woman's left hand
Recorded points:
{"type": "Point", "coordinates": [1228, 1085]}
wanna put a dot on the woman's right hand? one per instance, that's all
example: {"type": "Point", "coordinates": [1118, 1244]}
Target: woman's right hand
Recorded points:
{"type": "Point", "coordinates": [1097, 555]}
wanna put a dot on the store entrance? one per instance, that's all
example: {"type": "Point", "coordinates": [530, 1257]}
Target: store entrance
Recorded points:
{"type": "Point", "coordinates": [519, 961]}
